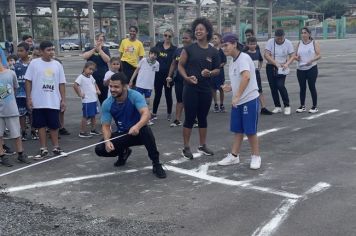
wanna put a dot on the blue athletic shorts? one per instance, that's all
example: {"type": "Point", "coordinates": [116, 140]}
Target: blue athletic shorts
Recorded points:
{"type": "Point", "coordinates": [22, 106]}
{"type": "Point", "coordinates": [145, 92]}
{"type": "Point", "coordinates": [44, 117]}
{"type": "Point", "coordinates": [244, 118]}
{"type": "Point", "coordinates": [90, 109]}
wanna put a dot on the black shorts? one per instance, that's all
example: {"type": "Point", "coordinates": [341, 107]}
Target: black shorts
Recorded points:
{"type": "Point", "coordinates": [44, 117]}
{"type": "Point", "coordinates": [22, 106]}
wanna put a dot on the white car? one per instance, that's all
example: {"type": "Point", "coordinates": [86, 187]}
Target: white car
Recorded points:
{"type": "Point", "coordinates": [69, 46]}
{"type": "Point", "coordinates": [111, 45]}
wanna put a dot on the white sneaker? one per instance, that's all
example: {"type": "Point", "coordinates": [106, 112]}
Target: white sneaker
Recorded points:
{"type": "Point", "coordinates": [277, 110]}
{"type": "Point", "coordinates": [287, 111]}
{"type": "Point", "coordinates": [313, 110]}
{"type": "Point", "coordinates": [229, 160]}
{"type": "Point", "coordinates": [301, 109]}
{"type": "Point", "coordinates": [255, 162]}
{"type": "Point", "coordinates": [150, 123]}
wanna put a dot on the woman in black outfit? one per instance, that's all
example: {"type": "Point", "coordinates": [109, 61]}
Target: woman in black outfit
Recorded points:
{"type": "Point", "coordinates": [165, 58]}
{"type": "Point", "coordinates": [198, 63]}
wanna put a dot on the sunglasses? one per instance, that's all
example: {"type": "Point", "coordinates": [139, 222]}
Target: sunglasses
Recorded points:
{"type": "Point", "coordinates": [168, 36]}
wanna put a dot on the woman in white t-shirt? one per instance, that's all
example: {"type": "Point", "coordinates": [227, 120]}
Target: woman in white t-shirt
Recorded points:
{"type": "Point", "coordinates": [307, 53]}
{"type": "Point", "coordinates": [279, 53]}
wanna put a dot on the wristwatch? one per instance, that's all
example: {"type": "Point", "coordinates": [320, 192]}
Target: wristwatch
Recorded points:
{"type": "Point", "coordinates": [209, 73]}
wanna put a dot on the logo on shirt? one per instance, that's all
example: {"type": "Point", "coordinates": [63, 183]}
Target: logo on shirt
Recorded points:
{"type": "Point", "coordinates": [209, 59]}
{"type": "Point", "coordinates": [130, 49]}
{"type": "Point", "coordinates": [48, 81]}
{"type": "Point", "coordinates": [163, 54]}
{"type": "Point", "coordinates": [5, 91]}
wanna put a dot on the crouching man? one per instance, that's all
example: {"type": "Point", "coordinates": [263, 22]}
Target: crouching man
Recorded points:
{"type": "Point", "coordinates": [129, 110]}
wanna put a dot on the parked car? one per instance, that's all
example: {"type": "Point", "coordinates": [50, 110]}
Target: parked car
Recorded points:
{"type": "Point", "coordinates": [111, 45]}
{"type": "Point", "coordinates": [69, 46]}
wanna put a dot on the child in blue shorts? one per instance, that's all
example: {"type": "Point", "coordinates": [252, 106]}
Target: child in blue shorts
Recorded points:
{"type": "Point", "coordinates": [146, 72]}
{"type": "Point", "coordinates": [87, 89]}
{"type": "Point", "coordinates": [245, 104]}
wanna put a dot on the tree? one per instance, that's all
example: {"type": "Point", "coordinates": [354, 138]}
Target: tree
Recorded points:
{"type": "Point", "coordinates": [332, 8]}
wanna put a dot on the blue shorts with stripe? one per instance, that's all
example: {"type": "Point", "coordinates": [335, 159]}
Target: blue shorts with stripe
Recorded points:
{"type": "Point", "coordinates": [90, 109]}
{"type": "Point", "coordinates": [244, 118]}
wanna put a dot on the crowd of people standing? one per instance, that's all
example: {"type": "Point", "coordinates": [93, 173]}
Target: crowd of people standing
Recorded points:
{"type": "Point", "coordinates": [123, 86]}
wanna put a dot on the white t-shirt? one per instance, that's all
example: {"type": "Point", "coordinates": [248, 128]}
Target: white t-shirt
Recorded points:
{"type": "Point", "coordinates": [87, 86]}
{"type": "Point", "coordinates": [45, 77]}
{"type": "Point", "coordinates": [146, 75]}
{"type": "Point", "coordinates": [280, 52]}
{"type": "Point", "coordinates": [107, 76]}
{"type": "Point", "coordinates": [306, 53]}
{"type": "Point", "coordinates": [237, 66]}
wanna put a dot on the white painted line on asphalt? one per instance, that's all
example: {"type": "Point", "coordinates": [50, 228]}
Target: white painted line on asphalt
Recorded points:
{"type": "Point", "coordinates": [259, 134]}
{"type": "Point", "coordinates": [59, 156]}
{"type": "Point", "coordinates": [279, 215]}
{"type": "Point", "coordinates": [282, 212]}
{"type": "Point", "coordinates": [63, 181]}
{"type": "Point", "coordinates": [320, 114]}
{"type": "Point", "coordinates": [244, 184]}
{"type": "Point", "coordinates": [353, 148]}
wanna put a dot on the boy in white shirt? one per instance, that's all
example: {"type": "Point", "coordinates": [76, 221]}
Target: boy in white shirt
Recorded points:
{"type": "Point", "coordinates": [146, 72]}
{"type": "Point", "coordinates": [45, 94]}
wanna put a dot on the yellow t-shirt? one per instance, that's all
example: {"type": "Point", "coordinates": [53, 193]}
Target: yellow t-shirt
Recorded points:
{"type": "Point", "coordinates": [131, 51]}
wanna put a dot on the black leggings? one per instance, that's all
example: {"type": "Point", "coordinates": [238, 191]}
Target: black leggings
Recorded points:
{"type": "Point", "coordinates": [145, 137]}
{"type": "Point", "coordinates": [103, 91]}
{"type": "Point", "coordinates": [128, 70]}
{"type": "Point", "coordinates": [160, 82]}
{"type": "Point", "coordinates": [310, 76]}
{"type": "Point", "coordinates": [196, 105]}
{"type": "Point", "coordinates": [276, 84]}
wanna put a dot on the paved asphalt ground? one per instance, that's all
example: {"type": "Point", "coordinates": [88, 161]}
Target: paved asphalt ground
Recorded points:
{"type": "Point", "coordinates": [306, 186]}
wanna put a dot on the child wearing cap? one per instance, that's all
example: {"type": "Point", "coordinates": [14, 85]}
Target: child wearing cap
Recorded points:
{"type": "Point", "coordinates": [245, 103]}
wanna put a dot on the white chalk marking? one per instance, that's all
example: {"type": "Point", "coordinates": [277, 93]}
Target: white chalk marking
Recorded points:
{"type": "Point", "coordinates": [353, 148]}
{"type": "Point", "coordinates": [63, 181]}
{"type": "Point", "coordinates": [320, 114]}
{"type": "Point", "coordinates": [243, 184]}
{"type": "Point", "coordinates": [279, 215]}
{"type": "Point", "coordinates": [56, 157]}
{"type": "Point", "coordinates": [259, 134]}
{"type": "Point", "coordinates": [203, 169]}
{"type": "Point", "coordinates": [183, 159]}
{"type": "Point", "coordinates": [282, 212]}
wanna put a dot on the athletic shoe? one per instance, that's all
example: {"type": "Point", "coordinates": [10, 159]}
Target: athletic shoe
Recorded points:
{"type": "Point", "coordinates": [255, 162]}
{"type": "Point", "coordinates": [43, 153]}
{"type": "Point", "coordinates": [187, 153]}
{"type": "Point", "coordinates": [150, 122]}
{"type": "Point", "coordinates": [58, 151]}
{"type": "Point", "coordinates": [122, 160]}
{"type": "Point", "coordinates": [158, 171]}
{"type": "Point", "coordinates": [216, 108]}
{"type": "Point", "coordinates": [222, 108]}
{"type": "Point", "coordinates": [313, 110]}
{"type": "Point", "coordinates": [153, 116]}
{"type": "Point", "coordinates": [229, 160]}
{"type": "Point", "coordinates": [7, 150]}
{"type": "Point", "coordinates": [265, 111]}
{"type": "Point", "coordinates": [176, 123]}
{"type": "Point", "coordinates": [301, 109]}
{"type": "Point", "coordinates": [34, 134]}
{"type": "Point", "coordinates": [94, 132]}
{"type": "Point", "coordinates": [23, 158]}
{"type": "Point", "coordinates": [63, 131]}
{"type": "Point", "coordinates": [196, 124]}
{"type": "Point", "coordinates": [24, 136]}
{"type": "Point", "coordinates": [277, 110]}
{"type": "Point", "coordinates": [169, 117]}
{"type": "Point", "coordinates": [85, 135]}
{"type": "Point", "coordinates": [287, 111]}
{"type": "Point", "coordinates": [204, 150]}
{"type": "Point", "coordinates": [6, 161]}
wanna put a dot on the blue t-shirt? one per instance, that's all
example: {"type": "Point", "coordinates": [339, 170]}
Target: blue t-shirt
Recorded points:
{"type": "Point", "coordinates": [125, 114]}
{"type": "Point", "coordinates": [20, 70]}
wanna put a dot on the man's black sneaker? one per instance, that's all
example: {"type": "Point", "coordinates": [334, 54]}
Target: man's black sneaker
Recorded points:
{"type": "Point", "coordinates": [176, 123]}
{"type": "Point", "coordinates": [216, 108]}
{"type": "Point", "coordinates": [204, 150]}
{"type": "Point", "coordinates": [187, 153]}
{"type": "Point", "coordinates": [158, 171]}
{"type": "Point", "coordinates": [43, 153]}
{"type": "Point", "coordinates": [63, 131]}
{"type": "Point", "coordinates": [265, 111]}
{"type": "Point", "coordinates": [122, 160]}
{"type": "Point", "coordinates": [7, 150]}
{"type": "Point", "coordinates": [23, 158]}
{"type": "Point", "coordinates": [222, 108]}
{"type": "Point", "coordinates": [94, 132]}
{"type": "Point", "coordinates": [58, 151]}
{"type": "Point", "coordinates": [6, 161]}
{"type": "Point", "coordinates": [24, 136]}
{"type": "Point", "coordinates": [34, 134]}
